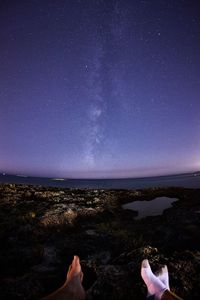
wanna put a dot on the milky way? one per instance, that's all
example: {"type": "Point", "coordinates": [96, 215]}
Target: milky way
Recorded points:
{"type": "Point", "coordinates": [92, 89]}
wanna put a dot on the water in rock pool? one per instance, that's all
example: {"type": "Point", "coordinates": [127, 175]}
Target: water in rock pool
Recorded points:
{"type": "Point", "coordinates": [150, 208]}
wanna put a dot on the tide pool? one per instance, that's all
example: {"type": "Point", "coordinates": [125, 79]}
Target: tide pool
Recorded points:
{"type": "Point", "coordinates": [153, 207]}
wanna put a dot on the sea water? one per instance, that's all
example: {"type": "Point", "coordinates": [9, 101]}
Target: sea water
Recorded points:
{"type": "Point", "coordinates": [189, 180]}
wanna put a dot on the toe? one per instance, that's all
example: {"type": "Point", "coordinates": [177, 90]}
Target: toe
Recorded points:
{"type": "Point", "coordinates": [145, 263]}
{"type": "Point", "coordinates": [165, 269]}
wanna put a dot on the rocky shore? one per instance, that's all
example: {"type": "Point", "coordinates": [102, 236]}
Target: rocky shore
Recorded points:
{"type": "Point", "coordinates": [42, 228]}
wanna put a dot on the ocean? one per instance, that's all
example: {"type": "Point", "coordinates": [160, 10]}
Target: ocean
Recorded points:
{"type": "Point", "coordinates": [188, 180]}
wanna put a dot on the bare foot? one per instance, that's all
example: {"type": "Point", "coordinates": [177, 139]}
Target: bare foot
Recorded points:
{"type": "Point", "coordinates": [73, 283]}
{"type": "Point", "coordinates": [72, 288]}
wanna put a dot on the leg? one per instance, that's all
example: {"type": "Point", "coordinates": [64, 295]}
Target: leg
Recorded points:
{"type": "Point", "coordinates": [168, 295]}
{"type": "Point", "coordinates": [72, 288]}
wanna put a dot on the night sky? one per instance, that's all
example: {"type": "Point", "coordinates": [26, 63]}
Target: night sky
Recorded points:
{"type": "Point", "coordinates": [99, 88]}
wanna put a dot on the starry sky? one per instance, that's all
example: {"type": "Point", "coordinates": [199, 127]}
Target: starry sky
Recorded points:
{"type": "Point", "coordinates": [98, 88]}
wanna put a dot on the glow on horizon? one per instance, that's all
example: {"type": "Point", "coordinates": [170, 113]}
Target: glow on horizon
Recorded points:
{"type": "Point", "coordinates": [120, 174]}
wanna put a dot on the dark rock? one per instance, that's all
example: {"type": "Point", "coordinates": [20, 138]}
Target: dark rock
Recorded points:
{"type": "Point", "coordinates": [42, 228]}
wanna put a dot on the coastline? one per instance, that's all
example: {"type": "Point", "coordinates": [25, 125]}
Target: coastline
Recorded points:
{"type": "Point", "coordinates": [185, 180]}
{"type": "Point", "coordinates": [42, 228]}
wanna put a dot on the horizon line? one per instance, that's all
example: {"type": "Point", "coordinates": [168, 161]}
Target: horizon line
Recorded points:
{"type": "Point", "coordinates": [56, 178]}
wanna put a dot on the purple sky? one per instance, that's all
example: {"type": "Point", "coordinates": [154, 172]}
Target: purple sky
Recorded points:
{"type": "Point", "coordinates": [98, 88]}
